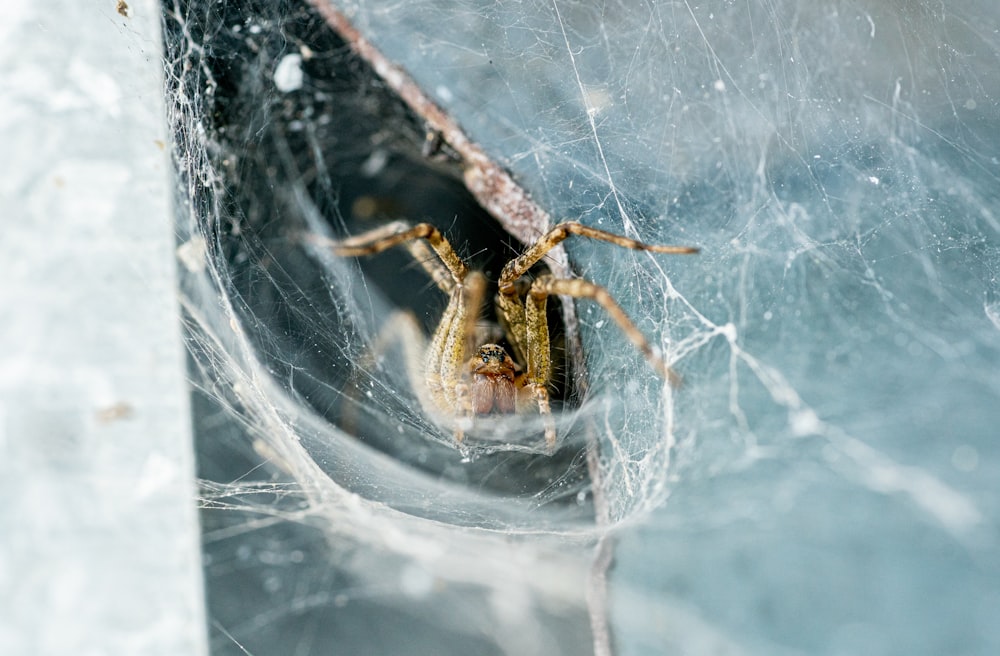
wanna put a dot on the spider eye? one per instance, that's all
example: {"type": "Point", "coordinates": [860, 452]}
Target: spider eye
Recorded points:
{"type": "Point", "coordinates": [486, 358]}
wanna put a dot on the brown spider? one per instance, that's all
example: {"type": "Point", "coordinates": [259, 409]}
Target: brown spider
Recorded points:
{"type": "Point", "coordinates": [490, 382]}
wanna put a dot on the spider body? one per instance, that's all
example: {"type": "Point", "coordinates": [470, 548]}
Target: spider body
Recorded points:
{"type": "Point", "coordinates": [457, 387]}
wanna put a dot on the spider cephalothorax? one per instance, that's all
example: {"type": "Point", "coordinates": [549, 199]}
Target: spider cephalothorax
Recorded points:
{"type": "Point", "coordinates": [450, 383]}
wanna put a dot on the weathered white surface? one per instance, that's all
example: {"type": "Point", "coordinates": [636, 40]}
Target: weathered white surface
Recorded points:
{"type": "Point", "coordinates": [99, 549]}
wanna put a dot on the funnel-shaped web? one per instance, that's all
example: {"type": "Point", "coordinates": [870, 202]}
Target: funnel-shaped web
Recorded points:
{"type": "Point", "coordinates": [825, 478]}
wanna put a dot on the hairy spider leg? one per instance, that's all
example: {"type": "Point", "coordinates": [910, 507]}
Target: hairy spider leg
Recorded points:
{"type": "Point", "coordinates": [520, 264]}
{"type": "Point", "coordinates": [431, 264]}
{"type": "Point", "coordinates": [447, 270]}
{"type": "Point", "coordinates": [448, 351]}
{"type": "Point", "coordinates": [509, 300]}
{"type": "Point", "coordinates": [475, 295]}
{"type": "Point", "coordinates": [545, 286]}
{"type": "Point", "coordinates": [400, 330]}
{"type": "Point", "coordinates": [423, 370]}
{"type": "Point", "coordinates": [435, 374]}
{"type": "Point", "coordinates": [445, 354]}
{"type": "Point", "coordinates": [538, 356]}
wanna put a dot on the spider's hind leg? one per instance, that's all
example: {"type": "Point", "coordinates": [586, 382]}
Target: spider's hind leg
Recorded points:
{"type": "Point", "coordinates": [400, 331]}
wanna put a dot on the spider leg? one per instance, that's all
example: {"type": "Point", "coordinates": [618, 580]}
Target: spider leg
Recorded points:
{"type": "Point", "coordinates": [475, 295]}
{"type": "Point", "coordinates": [447, 269]}
{"type": "Point", "coordinates": [520, 265]}
{"type": "Point", "coordinates": [447, 354]}
{"type": "Point", "coordinates": [509, 302]}
{"type": "Point", "coordinates": [511, 313]}
{"type": "Point", "coordinates": [545, 286]}
{"type": "Point", "coordinates": [434, 356]}
{"type": "Point", "coordinates": [538, 355]}
{"type": "Point", "coordinates": [432, 265]}
{"type": "Point", "coordinates": [401, 330]}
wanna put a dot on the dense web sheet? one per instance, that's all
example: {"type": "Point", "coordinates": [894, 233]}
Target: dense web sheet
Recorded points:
{"type": "Point", "coordinates": [824, 481]}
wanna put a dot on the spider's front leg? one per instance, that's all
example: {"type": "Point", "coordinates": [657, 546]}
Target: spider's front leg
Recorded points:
{"type": "Point", "coordinates": [526, 320]}
{"type": "Point", "coordinates": [545, 286]}
{"type": "Point", "coordinates": [537, 334]}
{"type": "Point", "coordinates": [447, 270]}
{"type": "Point", "coordinates": [509, 302]}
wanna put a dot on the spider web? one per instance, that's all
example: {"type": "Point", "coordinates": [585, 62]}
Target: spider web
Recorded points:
{"type": "Point", "coordinates": [824, 481]}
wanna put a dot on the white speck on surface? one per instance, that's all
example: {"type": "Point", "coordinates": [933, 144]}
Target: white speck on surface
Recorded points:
{"type": "Point", "coordinates": [375, 163]}
{"type": "Point", "coordinates": [288, 74]}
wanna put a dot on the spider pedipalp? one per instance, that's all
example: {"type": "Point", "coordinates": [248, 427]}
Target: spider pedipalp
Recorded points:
{"type": "Point", "coordinates": [494, 376]}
